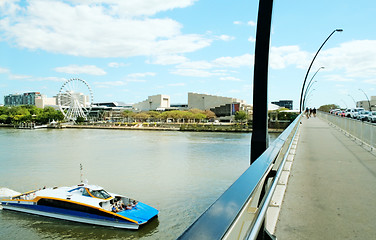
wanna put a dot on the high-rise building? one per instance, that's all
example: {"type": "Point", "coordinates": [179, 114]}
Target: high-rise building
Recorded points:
{"type": "Point", "coordinates": [30, 98]}
{"type": "Point", "coordinates": [21, 99]}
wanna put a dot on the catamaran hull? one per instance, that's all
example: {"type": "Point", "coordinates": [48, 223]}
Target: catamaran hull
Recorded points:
{"type": "Point", "coordinates": [54, 213]}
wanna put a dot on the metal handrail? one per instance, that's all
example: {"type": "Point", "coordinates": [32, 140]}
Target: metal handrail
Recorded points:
{"type": "Point", "coordinates": [219, 217]}
{"type": "Point", "coordinates": [261, 216]}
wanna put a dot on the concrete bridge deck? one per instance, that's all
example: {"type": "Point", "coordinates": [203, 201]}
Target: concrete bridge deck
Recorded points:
{"type": "Point", "coordinates": [331, 192]}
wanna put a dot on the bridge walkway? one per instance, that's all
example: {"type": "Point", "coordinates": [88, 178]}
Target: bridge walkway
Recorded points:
{"type": "Point", "coordinates": [331, 192]}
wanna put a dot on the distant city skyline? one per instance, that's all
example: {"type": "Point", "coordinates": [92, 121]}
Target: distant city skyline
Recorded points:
{"type": "Point", "coordinates": [129, 50]}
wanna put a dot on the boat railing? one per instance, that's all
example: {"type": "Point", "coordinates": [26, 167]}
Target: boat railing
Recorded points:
{"type": "Point", "coordinates": [25, 196]}
{"type": "Point", "coordinates": [239, 213]}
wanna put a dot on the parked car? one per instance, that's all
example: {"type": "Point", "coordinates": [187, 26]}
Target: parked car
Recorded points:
{"type": "Point", "coordinates": [338, 112]}
{"type": "Point", "coordinates": [372, 117]}
{"type": "Point", "coordinates": [362, 115]}
{"type": "Point", "coordinates": [353, 112]}
{"type": "Point", "coordinates": [333, 111]}
{"type": "Point", "coordinates": [342, 113]}
{"type": "Point", "coordinates": [348, 110]}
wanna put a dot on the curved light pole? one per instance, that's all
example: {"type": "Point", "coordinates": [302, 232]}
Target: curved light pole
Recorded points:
{"type": "Point", "coordinates": [260, 138]}
{"type": "Point", "coordinates": [369, 103]}
{"type": "Point", "coordinates": [309, 68]}
{"type": "Point", "coordinates": [309, 85]}
{"type": "Point", "coordinates": [306, 93]}
{"type": "Point", "coordinates": [344, 103]}
{"type": "Point", "coordinates": [308, 96]}
{"type": "Point", "coordinates": [352, 99]}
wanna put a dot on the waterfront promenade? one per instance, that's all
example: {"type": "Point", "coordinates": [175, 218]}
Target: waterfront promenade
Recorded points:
{"type": "Point", "coordinates": [331, 192]}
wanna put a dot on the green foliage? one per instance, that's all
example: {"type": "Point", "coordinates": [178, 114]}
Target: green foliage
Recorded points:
{"type": "Point", "coordinates": [240, 116]}
{"type": "Point", "coordinates": [80, 119]}
{"type": "Point", "coordinates": [287, 116]}
{"type": "Point", "coordinates": [209, 114]}
{"type": "Point", "coordinates": [141, 116]}
{"type": "Point", "coordinates": [154, 115]}
{"type": "Point", "coordinates": [18, 114]}
{"type": "Point", "coordinates": [328, 107]}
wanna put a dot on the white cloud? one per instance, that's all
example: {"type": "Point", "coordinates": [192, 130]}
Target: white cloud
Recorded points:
{"type": "Point", "coordinates": [176, 84]}
{"type": "Point", "coordinates": [217, 67]}
{"type": "Point", "coordinates": [86, 69]}
{"type": "Point", "coordinates": [49, 79]}
{"type": "Point", "coordinates": [167, 59]}
{"type": "Point", "coordinates": [135, 80]}
{"type": "Point", "coordinates": [137, 8]}
{"type": "Point", "coordinates": [338, 78]}
{"type": "Point", "coordinates": [136, 75]}
{"type": "Point", "coordinates": [357, 58]}
{"type": "Point", "coordinates": [281, 57]}
{"type": "Point", "coordinates": [179, 44]}
{"type": "Point", "coordinates": [251, 23]}
{"type": "Point", "coordinates": [252, 39]}
{"type": "Point", "coordinates": [4, 70]}
{"type": "Point", "coordinates": [110, 84]}
{"type": "Point", "coordinates": [238, 61]}
{"type": "Point", "coordinates": [371, 81]}
{"type": "Point", "coordinates": [225, 38]}
{"type": "Point", "coordinates": [195, 73]}
{"type": "Point", "coordinates": [233, 79]}
{"type": "Point", "coordinates": [105, 28]}
{"type": "Point", "coordinates": [18, 77]}
{"type": "Point", "coordinates": [196, 65]}
{"type": "Point", "coordinates": [117, 65]}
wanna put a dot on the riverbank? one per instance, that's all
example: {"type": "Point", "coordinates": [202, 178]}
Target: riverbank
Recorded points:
{"type": "Point", "coordinates": [170, 127]}
{"type": "Point", "coordinates": [177, 127]}
{"type": "Point", "coordinates": [116, 127]}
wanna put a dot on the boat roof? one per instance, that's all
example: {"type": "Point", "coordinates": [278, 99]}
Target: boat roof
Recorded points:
{"type": "Point", "coordinates": [73, 193]}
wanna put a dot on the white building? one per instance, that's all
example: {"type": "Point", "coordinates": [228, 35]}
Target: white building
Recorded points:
{"type": "Point", "coordinates": [156, 102]}
{"type": "Point", "coordinates": [43, 101]}
{"type": "Point", "coordinates": [205, 101]}
{"type": "Point", "coordinates": [366, 105]}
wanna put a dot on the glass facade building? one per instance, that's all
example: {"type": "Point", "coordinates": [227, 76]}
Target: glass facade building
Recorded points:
{"type": "Point", "coordinates": [21, 99]}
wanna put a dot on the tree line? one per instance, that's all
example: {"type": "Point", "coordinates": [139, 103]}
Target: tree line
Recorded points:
{"type": "Point", "coordinates": [29, 113]}
{"type": "Point", "coordinates": [191, 115]}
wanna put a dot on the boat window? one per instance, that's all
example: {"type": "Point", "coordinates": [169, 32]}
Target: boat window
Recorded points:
{"type": "Point", "coordinates": [100, 194]}
{"type": "Point", "coordinates": [85, 193]}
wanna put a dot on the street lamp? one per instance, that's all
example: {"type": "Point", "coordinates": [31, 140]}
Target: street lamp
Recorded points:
{"type": "Point", "coordinates": [306, 93]}
{"type": "Point", "coordinates": [344, 103]}
{"type": "Point", "coordinates": [309, 68]}
{"type": "Point", "coordinates": [352, 99]}
{"type": "Point", "coordinates": [309, 84]}
{"type": "Point", "coordinates": [369, 103]}
{"type": "Point", "coordinates": [308, 96]}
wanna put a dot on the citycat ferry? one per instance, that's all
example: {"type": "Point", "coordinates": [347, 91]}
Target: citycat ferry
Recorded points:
{"type": "Point", "coordinates": [83, 203]}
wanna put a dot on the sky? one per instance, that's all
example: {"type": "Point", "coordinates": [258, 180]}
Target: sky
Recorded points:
{"type": "Point", "coordinates": [130, 49]}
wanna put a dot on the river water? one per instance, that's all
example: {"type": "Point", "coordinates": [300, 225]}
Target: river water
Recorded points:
{"type": "Point", "coordinates": [179, 173]}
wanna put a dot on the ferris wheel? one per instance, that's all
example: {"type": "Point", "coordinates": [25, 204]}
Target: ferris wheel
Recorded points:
{"type": "Point", "coordinates": [75, 99]}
